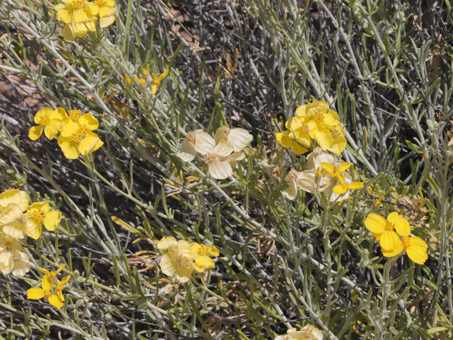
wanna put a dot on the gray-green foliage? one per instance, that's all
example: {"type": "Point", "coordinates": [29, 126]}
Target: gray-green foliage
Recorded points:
{"type": "Point", "coordinates": [384, 67]}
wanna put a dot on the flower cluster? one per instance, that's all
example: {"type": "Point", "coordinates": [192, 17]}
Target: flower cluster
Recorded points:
{"type": "Point", "coordinates": [81, 16]}
{"type": "Point", "coordinates": [313, 121]}
{"type": "Point", "coordinates": [181, 258]}
{"type": "Point", "coordinates": [76, 130]}
{"type": "Point", "coordinates": [309, 332]}
{"type": "Point", "coordinates": [324, 174]}
{"type": "Point", "coordinates": [53, 294]}
{"type": "Point", "coordinates": [221, 152]}
{"type": "Point", "coordinates": [393, 234]}
{"type": "Point", "coordinates": [18, 219]}
{"type": "Point", "coordinates": [143, 81]}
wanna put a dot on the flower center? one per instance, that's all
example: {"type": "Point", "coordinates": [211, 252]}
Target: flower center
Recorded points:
{"type": "Point", "coordinates": [336, 134]}
{"type": "Point", "coordinates": [293, 174]}
{"type": "Point", "coordinates": [80, 134]}
{"type": "Point", "coordinates": [210, 158]}
{"type": "Point", "coordinates": [78, 4]}
{"type": "Point", "coordinates": [389, 226]}
{"type": "Point", "coordinates": [304, 128]}
{"type": "Point", "coordinates": [38, 215]}
{"type": "Point", "coordinates": [319, 116]}
{"type": "Point", "coordinates": [75, 114]}
{"type": "Point", "coordinates": [45, 120]}
{"type": "Point", "coordinates": [191, 137]}
{"type": "Point", "coordinates": [406, 241]}
{"type": "Point", "coordinates": [184, 261]}
{"type": "Point", "coordinates": [16, 256]}
{"type": "Point", "coordinates": [203, 249]}
{"type": "Point", "coordinates": [8, 245]}
{"type": "Point", "coordinates": [173, 248]}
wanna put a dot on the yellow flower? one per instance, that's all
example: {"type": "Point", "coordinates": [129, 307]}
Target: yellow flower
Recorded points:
{"type": "Point", "coordinates": [309, 332]}
{"type": "Point", "coordinates": [106, 12]}
{"type": "Point", "coordinates": [59, 287]}
{"type": "Point", "coordinates": [128, 81]}
{"type": "Point", "coordinates": [384, 229]}
{"type": "Point", "coordinates": [157, 80]}
{"type": "Point", "coordinates": [145, 71]}
{"type": "Point", "coordinates": [338, 141]}
{"type": "Point", "coordinates": [79, 17]}
{"type": "Point", "coordinates": [39, 213]}
{"type": "Point", "coordinates": [177, 261]}
{"type": "Point", "coordinates": [336, 172]}
{"type": "Point", "coordinates": [14, 196]}
{"type": "Point", "coordinates": [202, 255]}
{"type": "Point", "coordinates": [45, 292]}
{"type": "Point", "coordinates": [49, 121]}
{"type": "Point", "coordinates": [141, 81]}
{"type": "Point", "coordinates": [78, 11]}
{"type": "Point", "coordinates": [50, 273]}
{"type": "Point", "coordinates": [77, 137]}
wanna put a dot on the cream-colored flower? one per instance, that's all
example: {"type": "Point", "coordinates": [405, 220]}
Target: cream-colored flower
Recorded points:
{"type": "Point", "coordinates": [309, 332]}
{"type": "Point", "coordinates": [231, 140]}
{"type": "Point", "coordinates": [14, 196]}
{"type": "Point", "coordinates": [195, 141]}
{"type": "Point", "coordinates": [221, 167]}
{"type": "Point", "coordinates": [12, 260]}
{"type": "Point", "coordinates": [291, 192]}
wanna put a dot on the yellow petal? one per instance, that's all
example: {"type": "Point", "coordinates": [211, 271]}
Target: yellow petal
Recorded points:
{"type": "Point", "coordinates": [68, 33]}
{"type": "Point", "coordinates": [89, 121]}
{"type": "Point", "coordinates": [52, 219]}
{"type": "Point", "coordinates": [34, 228]}
{"type": "Point", "coordinates": [390, 240]}
{"type": "Point", "coordinates": [355, 185]}
{"type": "Point", "coordinates": [340, 189]}
{"type": "Point", "coordinates": [55, 301]}
{"type": "Point", "coordinates": [332, 119]}
{"type": "Point", "coordinates": [46, 283]}
{"type": "Point", "coordinates": [343, 167]}
{"type": "Point", "coordinates": [69, 128]}
{"type": "Point", "coordinates": [213, 251]}
{"type": "Point", "coordinates": [90, 143]}
{"type": "Point", "coordinates": [35, 293]}
{"type": "Point", "coordinates": [324, 139]}
{"type": "Point", "coordinates": [195, 247]}
{"type": "Point", "coordinates": [65, 14]}
{"type": "Point", "coordinates": [402, 226]}
{"type": "Point", "coordinates": [375, 223]}
{"type": "Point", "coordinates": [166, 242]}
{"type": "Point", "coordinates": [204, 261]}
{"type": "Point", "coordinates": [283, 139]}
{"type": "Point", "coordinates": [107, 21]}
{"type": "Point", "coordinates": [50, 132]}
{"type": "Point", "coordinates": [35, 132]}
{"type": "Point", "coordinates": [393, 252]}
{"type": "Point", "coordinates": [69, 148]}
{"type": "Point", "coordinates": [80, 15]}
{"type": "Point", "coordinates": [338, 145]}
{"type": "Point", "coordinates": [298, 149]}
